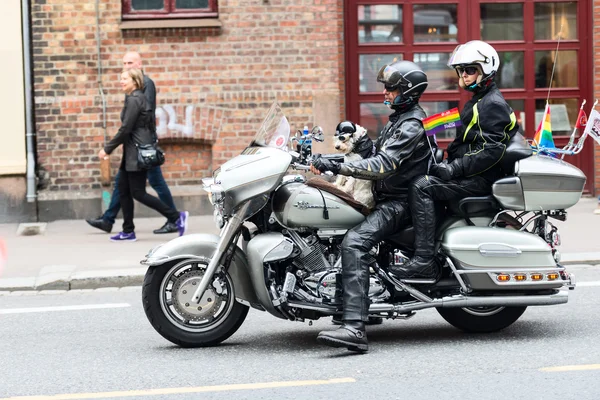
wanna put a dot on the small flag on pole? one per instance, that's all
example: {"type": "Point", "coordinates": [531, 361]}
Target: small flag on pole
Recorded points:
{"type": "Point", "coordinates": [442, 121]}
{"type": "Point", "coordinates": [543, 135]}
{"type": "Point", "coordinates": [581, 119]}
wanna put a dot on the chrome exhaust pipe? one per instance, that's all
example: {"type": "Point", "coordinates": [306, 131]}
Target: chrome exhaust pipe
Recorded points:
{"type": "Point", "coordinates": [560, 297]}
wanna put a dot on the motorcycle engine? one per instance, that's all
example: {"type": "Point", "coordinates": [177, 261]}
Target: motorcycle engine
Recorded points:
{"type": "Point", "coordinates": [318, 269]}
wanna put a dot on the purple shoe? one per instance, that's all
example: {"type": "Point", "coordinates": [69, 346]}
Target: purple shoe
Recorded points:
{"type": "Point", "coordinates": [124, 237]}
{"type": "Point", "coordinates": [182, 222]}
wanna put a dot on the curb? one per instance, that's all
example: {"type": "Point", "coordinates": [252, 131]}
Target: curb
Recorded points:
{"type": "Point", "coordinates": [64, 277]}
{"type": "Point", "coordinates": [70, 280]}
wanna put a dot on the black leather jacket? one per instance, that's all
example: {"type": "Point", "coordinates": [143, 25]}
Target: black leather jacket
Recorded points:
{"type": "Point", "coordinates": [135, 129]}
{"type": "Point", "coordinates": [402, 152]}
{"type": "Point", "coordinates": [488, 124]}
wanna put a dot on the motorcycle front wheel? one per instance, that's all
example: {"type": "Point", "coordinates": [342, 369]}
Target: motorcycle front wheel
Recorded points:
{"type": "Point", "coordinates": [481, 319]}
{"type": "Point", "coordinates": [167, 295]}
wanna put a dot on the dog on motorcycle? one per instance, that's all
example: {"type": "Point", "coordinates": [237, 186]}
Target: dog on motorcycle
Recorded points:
{"type": "Point", "coordinates": [352, 140]}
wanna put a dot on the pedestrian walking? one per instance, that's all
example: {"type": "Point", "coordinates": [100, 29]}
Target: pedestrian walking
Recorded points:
{"type": "Point", "coordinates": [136, 129]}
{"type": "Point", "coordinates": [106, 221]}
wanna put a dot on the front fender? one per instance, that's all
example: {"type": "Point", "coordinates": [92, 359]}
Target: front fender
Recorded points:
{"type": "Point", "coordinates": [202, 246]}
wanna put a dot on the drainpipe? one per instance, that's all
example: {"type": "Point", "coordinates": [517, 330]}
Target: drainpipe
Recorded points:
{"type": "Point", "coordinates": [29, 124]}
{"type": "Point", "coordinates": [100, 87]}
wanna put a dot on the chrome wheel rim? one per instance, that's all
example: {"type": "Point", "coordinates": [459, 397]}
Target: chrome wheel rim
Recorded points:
{"type": "Point", "coordinates": [177, 289]}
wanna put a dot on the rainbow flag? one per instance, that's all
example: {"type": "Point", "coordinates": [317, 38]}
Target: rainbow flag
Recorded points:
{"type": "Point", "coordinates": [442, 121]}
{"type": "Point", "coordinates": [543, 135]}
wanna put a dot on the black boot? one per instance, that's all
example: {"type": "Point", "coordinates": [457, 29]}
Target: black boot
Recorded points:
{"type": "Point", "coordinates": [422, 267]}
{"type": "Point", "coordinates": [351, 335]}
{"type": "Point", "coordinates": [419, 269]}
{"type": "Point", "coordinates": [100, 224]}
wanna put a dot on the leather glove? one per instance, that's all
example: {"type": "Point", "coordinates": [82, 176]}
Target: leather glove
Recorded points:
{"type": "Point", "coordinates": [324, 165]}
{"type": "Point", "coordinates": [445, 171]}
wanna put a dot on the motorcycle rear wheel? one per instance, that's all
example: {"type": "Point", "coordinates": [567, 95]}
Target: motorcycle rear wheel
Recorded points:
{"type": "Point", "coordinates": [481, 319]}
{"type": "Point", "coordinates": [167, 292]}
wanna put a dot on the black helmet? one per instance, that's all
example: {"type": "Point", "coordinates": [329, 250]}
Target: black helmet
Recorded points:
{"type": "Point", "coordinates": [345, 128]}
{"type": "Point", "coordinates": [406, 76]}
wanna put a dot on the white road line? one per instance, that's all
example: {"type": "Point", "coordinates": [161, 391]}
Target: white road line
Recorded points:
{"type": "Point", "coordinates": [183, 390]}
{"type": "Point", "coordinates": [565, 368]}
{"type": "Point", "coordinates": [62, 308]}
{"type": "Point", "coordinates": [587, 284]}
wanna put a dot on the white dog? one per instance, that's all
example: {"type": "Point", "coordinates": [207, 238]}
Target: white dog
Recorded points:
{"type": "Point", "coordinates": [352, 140]}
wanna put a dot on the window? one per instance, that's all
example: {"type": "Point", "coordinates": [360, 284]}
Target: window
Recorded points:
{"type": "Point", "coordinates": [160, 9]}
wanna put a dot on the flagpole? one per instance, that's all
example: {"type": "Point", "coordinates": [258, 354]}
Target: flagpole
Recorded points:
{"type": "Point", "coordinates": [547, 108]}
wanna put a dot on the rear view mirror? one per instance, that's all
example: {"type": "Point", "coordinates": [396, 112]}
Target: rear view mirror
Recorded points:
{"type": "Point", "coordinates": [318, 134]}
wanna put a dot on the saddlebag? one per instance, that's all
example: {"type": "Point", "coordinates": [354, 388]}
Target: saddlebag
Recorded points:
{"type": "Point", "coordinates": [502, 259]}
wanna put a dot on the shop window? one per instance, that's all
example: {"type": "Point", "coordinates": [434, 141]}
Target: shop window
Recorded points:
{"type": "Point", "coordinates": [380, 24]}
{"type": "Point", "coordinates": [501, 21]}
{"type": "Point", "coordinates": [565, 73]}
{"type": "Point", "coordinates": [435, 23]}
{"type": "Point", "coordinates": [161, 9]}
{"type": "Point", "coordinates": [374, 116]}
{"type": "Point", "coordinates": [369, 66]}
{"type": "Point", "coordinates": [550, 18]}
{"type": "Point", "coordinates": [439, 75]}
{"type": "Point", "coordinates": [511, 74]}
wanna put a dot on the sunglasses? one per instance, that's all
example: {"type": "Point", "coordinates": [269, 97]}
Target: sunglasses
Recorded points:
{"type": "Point", "coordinates": [390, 88]}
{"type": "Point", "coordinates": [469, 70]}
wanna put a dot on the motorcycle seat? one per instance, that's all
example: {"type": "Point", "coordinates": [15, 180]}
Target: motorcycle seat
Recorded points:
{"type": "Point", "coordinates": [322, 184]}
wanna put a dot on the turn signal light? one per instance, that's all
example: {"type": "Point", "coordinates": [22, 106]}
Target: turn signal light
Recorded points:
{"type": "Point", "coordinates": [520, 277]}
{"type": "Point", "coordinates": [503, 277]}
{"type": "Point", "coordinates": [537, 277]}
{"type": "Point", "coordinates": [552, 276]}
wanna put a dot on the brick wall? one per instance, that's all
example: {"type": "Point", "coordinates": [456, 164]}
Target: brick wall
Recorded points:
{"type": "Point", "coordinates": [223, 78]}
{"type": "Point", "coordinates": [595, 69]}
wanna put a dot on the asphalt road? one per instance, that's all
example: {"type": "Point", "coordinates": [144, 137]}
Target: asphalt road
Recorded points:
{"type": "Point", "coordinates": [98, 344]}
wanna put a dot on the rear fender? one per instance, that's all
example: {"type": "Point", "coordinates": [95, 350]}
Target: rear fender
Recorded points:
{"type": "Point", "coordinates": [202, 246]}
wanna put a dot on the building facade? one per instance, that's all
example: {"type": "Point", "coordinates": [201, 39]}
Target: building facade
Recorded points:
{"type": "Point", "coordinates": [219, 64]}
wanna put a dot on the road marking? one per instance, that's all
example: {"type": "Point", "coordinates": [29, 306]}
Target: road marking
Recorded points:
{"type": "Point", "coordinates": [62, 308]}
{"type": "Point", "coordinates": [571, 368]}
{"type": "Point", "coordinates": [588, 284]}
{"type": "Point", "coordinates": [182, 390]}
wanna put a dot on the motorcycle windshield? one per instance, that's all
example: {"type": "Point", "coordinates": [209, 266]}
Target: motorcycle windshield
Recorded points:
{"type": "Point", "coordinates": [274, 131]}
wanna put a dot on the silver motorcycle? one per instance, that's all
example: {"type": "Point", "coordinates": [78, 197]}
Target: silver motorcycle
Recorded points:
{"type": "Point", "coordinates": [279, 249]}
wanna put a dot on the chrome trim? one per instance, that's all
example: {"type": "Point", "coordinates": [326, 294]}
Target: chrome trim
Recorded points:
{"type": "Point", "coordinates": [227, 235]}
{"type": "Point", "coordinates": [457, 274]}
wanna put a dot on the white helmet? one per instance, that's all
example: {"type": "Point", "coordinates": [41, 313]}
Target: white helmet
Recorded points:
{"type": "Point", "coordinates": [479, 53]}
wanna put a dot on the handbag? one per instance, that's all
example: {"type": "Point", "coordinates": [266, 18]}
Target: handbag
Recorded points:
{"type": "Point", "coordinates": [150, 155]}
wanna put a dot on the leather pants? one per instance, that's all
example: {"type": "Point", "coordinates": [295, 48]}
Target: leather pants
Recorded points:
{"type": "Point", "coordinates": [387, 218]}
{"type": "Point", "coordinates": [424, 192]}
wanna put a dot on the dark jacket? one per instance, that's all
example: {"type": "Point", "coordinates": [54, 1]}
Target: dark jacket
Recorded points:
{"type": "Point", "coordinates": [488, 123]}
{"type": "Point", "coordinates": [150, 94]}
{"type": "Point", "coordinates": [402, 153]}
{"type": "Point", "coordinates": [135, 123]}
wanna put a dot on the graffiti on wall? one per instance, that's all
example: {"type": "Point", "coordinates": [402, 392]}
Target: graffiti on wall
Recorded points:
{"type": "Point", "coordinates": [167, 121]}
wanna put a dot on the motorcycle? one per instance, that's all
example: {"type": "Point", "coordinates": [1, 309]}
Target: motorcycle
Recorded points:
{"type": "Point", "coordinates": [279, 248]}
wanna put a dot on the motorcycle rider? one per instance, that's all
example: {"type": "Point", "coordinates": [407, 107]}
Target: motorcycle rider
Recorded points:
{"type": "Point", "coordinates": [402, 152]}
{"type": "Point", "coordinates": [473, 163]}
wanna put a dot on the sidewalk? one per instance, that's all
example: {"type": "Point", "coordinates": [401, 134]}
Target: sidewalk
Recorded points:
{"type": "Point", "coordinates": [72, 255]}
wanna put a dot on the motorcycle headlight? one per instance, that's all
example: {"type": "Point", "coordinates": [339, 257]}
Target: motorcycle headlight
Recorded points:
{"type": "Point", "coordinates": [214, 191]}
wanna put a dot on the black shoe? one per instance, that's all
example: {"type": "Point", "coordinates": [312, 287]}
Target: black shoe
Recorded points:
{"type": "Point", "coordinates": [352, 336]}
{"type": "Point", "coordinates": [418, 270]}
{"type": "Point", "coordinates": [168, 227]}
{"type": "Point", "coordinates": [337, 320]}
{"type": "Point", "coordinates": [100, 224]}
